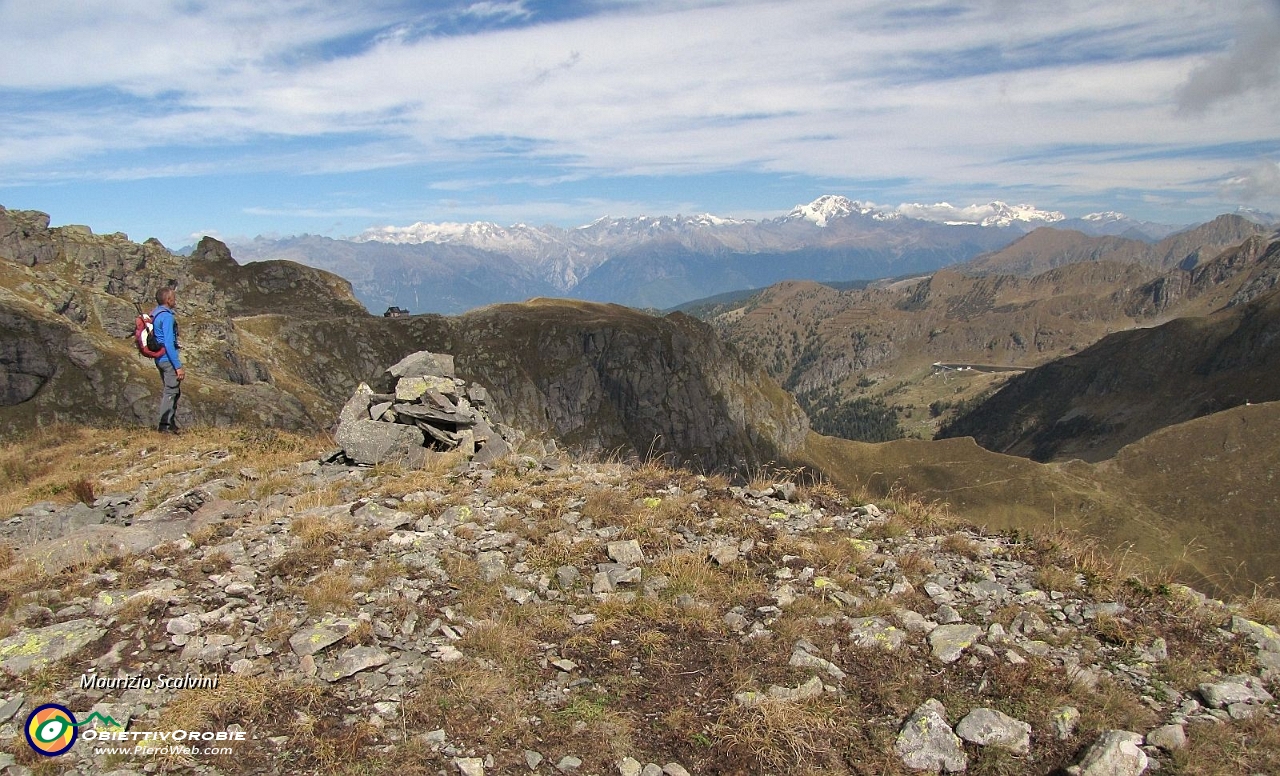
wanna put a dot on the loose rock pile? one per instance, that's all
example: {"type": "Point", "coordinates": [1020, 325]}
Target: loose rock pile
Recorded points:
{"type": "Point", "coordinates": [424, 408]}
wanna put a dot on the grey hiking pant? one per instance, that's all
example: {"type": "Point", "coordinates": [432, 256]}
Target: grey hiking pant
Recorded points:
{"type": "Point", "coordinates": [168, 397]}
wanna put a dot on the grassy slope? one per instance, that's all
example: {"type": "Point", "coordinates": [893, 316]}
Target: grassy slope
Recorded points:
{"type": "Point", "coordinates": [1197, 498]}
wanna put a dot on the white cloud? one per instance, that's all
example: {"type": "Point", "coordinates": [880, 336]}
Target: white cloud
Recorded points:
{"type": "Point", "coordinates": [1250, 65]}
{"type": "Point", "coordinates": [1259, 185]}
{"type": "Point", "coordinates": [493, 10]}
{"type": "Point", "coordinates": [834, 88]}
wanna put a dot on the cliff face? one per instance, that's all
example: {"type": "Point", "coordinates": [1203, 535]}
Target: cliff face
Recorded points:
{"type": "Point", "coordinates": [280, 344]}
{"type": "Point", "coordinates": [608, 377]}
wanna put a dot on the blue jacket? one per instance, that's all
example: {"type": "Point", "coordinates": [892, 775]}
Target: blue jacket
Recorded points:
{"type": "Point", "coordinates": [166, 329]}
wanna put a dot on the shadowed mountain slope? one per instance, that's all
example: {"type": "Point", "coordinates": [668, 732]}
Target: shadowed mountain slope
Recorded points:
{"type": "Point", "coordinates": [1131, 383]}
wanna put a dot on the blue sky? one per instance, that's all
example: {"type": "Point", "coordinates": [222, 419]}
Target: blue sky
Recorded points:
{"type": "Point", "coordinates": [245, 117]}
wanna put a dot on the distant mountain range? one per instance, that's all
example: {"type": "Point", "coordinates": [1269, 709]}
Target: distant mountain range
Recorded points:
{"type": "Point", "coordinates": [663, 261]}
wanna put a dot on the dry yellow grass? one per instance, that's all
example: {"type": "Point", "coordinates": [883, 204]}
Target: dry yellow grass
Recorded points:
{"type": "Point", "coordinates": [609, 506]}
{"type": "Point", "coordinates": [962, 545]}
{"type": "Point", "coordinates": [266, 705]}
{"type": "Point", "coordinates": [1056, 579]}
{"type": "Point", "coordinates": [332, 591]}
{"type": "Point", "coordinates": [503, 643]}
{"type": "Point", "coordinates": [555, 552]}
{"type": "Point", "coordinates": [319, 530]}
{"type": "Point", "coordinates": [65, 463]}
{"type": "Point", "coordinates": [472, 703]}
{"type": "Point", "coordinates": [779, 735]}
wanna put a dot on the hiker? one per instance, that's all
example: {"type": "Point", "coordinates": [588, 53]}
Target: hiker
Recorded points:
{"type": "Point", "coordinates": [169, 363]}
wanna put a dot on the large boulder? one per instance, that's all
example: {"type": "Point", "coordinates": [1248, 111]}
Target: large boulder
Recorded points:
{"type": "Point", "coordinates": [369, 442]}
{"type": "Point", "coordinates": [424, 363]}
{"type": "Point", "coordinates": [927, 743]}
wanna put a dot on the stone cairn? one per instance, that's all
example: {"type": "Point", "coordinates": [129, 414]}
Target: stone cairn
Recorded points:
{"type": "Point", "coordinates": [425, 410]}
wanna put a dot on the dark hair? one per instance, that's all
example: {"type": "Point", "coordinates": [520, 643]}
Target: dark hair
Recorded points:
{"type": "Point", "coordinates": [162, 293]}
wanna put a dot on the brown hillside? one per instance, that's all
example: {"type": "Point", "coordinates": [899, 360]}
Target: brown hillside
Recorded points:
{"type": "Point", "coordinates": [1131, 383]}
{"type": "Point", "coordinates": [881, 342]}
{"type": "Point", "coordinates": [1046, 248]}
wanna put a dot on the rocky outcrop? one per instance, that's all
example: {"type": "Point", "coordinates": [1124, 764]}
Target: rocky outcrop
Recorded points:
{"type": "Point", "coordinates": [67, 306]}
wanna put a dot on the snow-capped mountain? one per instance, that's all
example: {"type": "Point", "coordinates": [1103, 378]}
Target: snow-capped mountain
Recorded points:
{"type": "Point", "coordinates": [1258, 216]}
{"type": "Point", "coordinates": [661, 261]}
{"type": "Point", "coordinates": [994, 214]}
{"type": "Point", "coordinates": [527, 240]}
{"type": "Point", "coordinates": [610, 233]}
{"type": "Point", "coordinates": [1108, 216]}
{"type": "Point", "coordinates": [831, 206]}
{"type": "Point", "coordinates": [1109, 223]}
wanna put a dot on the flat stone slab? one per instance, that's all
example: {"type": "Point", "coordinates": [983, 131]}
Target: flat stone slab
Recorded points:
{"type": "Point", "coordinates": [414, 388]}
{"type": "Point", "coordinates": [371, 442]}
{"type": "Point", "coordinates": [810, 689]}
{"type": "Point", "coordinates": [355, 660]}
{"type": "Point", "coordinates": [430, 414]}
{"type": "Point", "coordinates": [424, 363]}
{"type": "Point", "coordinates": [989, 727]}
{"type": "Point", "coordinates": [1232, 690]}
{"type": "Point", "coordinates": [950, 641]}
{"type": "Point", "coordinates": [309, 641]}
{"type": "Point", "coordinates": [626, 552]}
{"type": "Point", "coordinates": [876, 633]}
{"type": "Point", "coordinates": [11, 707]}
{"type": "Point", "coordinates": [802, 659]}
{"type": "Point", "coordinates": [38, 648]}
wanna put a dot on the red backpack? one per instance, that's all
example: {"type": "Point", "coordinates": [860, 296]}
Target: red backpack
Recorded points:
{"type": "Point", "coordinates": [144, 334]}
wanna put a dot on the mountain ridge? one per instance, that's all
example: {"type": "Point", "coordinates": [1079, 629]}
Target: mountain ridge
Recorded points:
{"type": "Point", "coordinates": [281, 344]}
{"type": "Point", "coordinates": [831, 238]}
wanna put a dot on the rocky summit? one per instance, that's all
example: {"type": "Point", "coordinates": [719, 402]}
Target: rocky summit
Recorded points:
{"type": "Point", "coordinates": [557, 615]}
